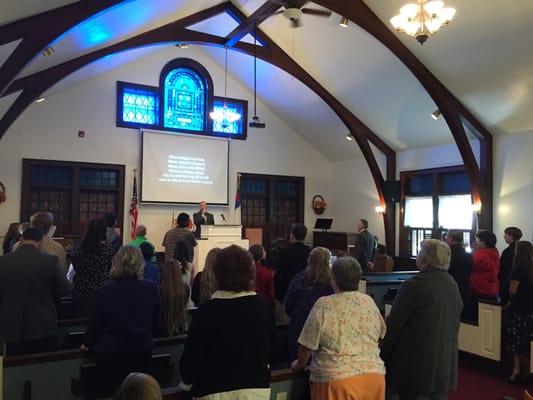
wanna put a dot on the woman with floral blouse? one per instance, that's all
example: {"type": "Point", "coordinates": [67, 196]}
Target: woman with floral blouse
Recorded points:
{"type": "Point", "coordinates": [342, 332]}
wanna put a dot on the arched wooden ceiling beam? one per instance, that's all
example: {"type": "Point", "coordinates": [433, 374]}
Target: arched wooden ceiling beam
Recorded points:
{"type": "Point", "coordinates": [451, 108]}
{"type": "Point", "coordinates": [36, 33]}
{"type": "Point", "coordinates": [39, 82]}
{"type": "Point", "coordinates": [248, 24]}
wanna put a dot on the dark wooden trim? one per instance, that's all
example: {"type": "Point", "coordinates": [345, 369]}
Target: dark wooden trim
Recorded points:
{"type": "Point", "coordinates": [287, 374]}
{"type": "Point", "coordinates": [37, 32]}
{"type": "Point", "coordinates": [76, 353]}
{"type": "Point", "coordinates": [75, 166]}
{"type": "Point", "coordinates": [437, 174]}
{"type": "Point", "coordinates": [356, 11]}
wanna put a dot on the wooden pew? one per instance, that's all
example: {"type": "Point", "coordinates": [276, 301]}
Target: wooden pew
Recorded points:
{"type": "Point", "coordinates": [86, 386]}
{"type": "Point", "coordinates": [48, 376]}
{"type": "Point", "coordinates": [483, 339]}
{"type": "Point", "coordinates": [379, 284]}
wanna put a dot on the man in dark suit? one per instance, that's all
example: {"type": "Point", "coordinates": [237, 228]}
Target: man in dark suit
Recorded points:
{"type": "Point", "coordinates": [460, 269]}
{"type": "Point", "coordinates": [202, 217]}
{"type": "Point", "coordinates": [369, 244]}
{"type": "Point", "coordinates": [31, 285]}
{"type": "Point", "coordinates": [291, 261]}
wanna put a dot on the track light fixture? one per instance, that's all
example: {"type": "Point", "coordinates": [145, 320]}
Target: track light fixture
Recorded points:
{"type": "Point", "coordinates": [344, 22]}
{"type": "Point", "coordinates": [435, 114]}
{"type": "Point", "coordinates": [48, 51]}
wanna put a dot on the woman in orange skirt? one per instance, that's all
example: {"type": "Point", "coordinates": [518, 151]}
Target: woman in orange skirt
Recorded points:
{"type": "Point", "coordinates": [342, 333]}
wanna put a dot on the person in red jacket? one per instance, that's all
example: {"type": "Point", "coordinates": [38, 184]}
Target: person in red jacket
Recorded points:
{"type": "Point", "coordinates": [484, 282]}
{"type": "Point", "coordinates": [264, 277]}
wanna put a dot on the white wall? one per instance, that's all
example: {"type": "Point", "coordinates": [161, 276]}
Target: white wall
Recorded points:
{"type": "Point", "coordinates": [513, 184]}
{"type": "Point", "coordinates": [49, 130]}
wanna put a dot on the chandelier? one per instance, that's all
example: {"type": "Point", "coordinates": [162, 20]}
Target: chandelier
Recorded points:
{"type": "Point", "coordinates": [423, 19]}
{"type": "Point", "coordinates": [225, 116]}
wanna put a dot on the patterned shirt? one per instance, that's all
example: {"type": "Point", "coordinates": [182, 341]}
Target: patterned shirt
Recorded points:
{"type": "Point", "coordinates": [343, 332]}
{"type": "Point", "coordinates": [175, 235]}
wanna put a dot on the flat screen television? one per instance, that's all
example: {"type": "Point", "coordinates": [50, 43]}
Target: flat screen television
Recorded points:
{"type": "Point", "coordinates": [323, 223]}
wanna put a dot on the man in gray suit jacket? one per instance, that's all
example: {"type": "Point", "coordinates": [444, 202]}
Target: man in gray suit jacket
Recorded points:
{"type": "Point", "coordinates": [420, 348]}
{"type": "Point", "coordinates": [31, 285]}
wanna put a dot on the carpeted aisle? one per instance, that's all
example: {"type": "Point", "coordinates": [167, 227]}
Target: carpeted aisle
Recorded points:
{"type": "Point", "coordinates": [482, 379]}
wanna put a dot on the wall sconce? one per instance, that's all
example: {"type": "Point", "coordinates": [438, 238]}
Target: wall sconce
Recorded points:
{"type": "Point", "coordinates": [349, 137]}
{"type": "Point", "coordinates": [476, 207]}
{"type": "Point", "coordinates": [380, 209]}
{"type": "Point", "coordinates": [182, 45]}
{"type": "Point", "coordinates": [435, 114]}
{"type": "Point", "coordinates": [344, 22]}
{"type": "Point", "coordinates": [40, 99]}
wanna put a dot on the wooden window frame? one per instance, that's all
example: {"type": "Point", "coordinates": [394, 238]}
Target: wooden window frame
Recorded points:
{"type": "Point", "coordinates": [76, 230]}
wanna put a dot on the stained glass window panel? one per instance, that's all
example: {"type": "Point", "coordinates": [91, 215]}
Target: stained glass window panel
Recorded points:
{"type": "Point", "coordinates": [225, 126]}
{"type": "Point", "coordinates": [184, 100]}
{"type": "Point", "coordinates": [139, 106]}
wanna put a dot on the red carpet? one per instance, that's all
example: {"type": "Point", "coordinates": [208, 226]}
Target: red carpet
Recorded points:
{"type": "Point", "coordinates": [482, 379]}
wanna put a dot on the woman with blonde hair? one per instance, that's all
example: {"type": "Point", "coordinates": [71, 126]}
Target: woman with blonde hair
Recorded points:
{"type": "Point", "coordinates": [139, 386]}
{"type": "Point", "coordinates": [174, 297]}
{"type": "Point", "coordinates": [203, 286]}
{"type": "Point", "coordinates": [123, 320]}
{"type": "Point", "coordinates": [304, 290]}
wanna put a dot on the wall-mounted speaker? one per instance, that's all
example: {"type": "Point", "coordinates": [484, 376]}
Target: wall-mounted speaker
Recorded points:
{"type": "Point", "coordinates": [392, 191]}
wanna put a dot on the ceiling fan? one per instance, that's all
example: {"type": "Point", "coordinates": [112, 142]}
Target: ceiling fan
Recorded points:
{"type": "Point", "coordinates": [293, 10]}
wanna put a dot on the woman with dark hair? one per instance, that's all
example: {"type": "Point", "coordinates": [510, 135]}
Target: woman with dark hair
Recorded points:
{"type": "Point", "coordinates": [231, 337]}
{"type": "Point", "coordinates": [484, 282]}
{"type": "Point", "coordinates": [123, 320]}
{"type": "Point", "coordinates": [12, 235]}
{"type": "Point", "coordinates": [174, 297]}
{"type": "Point", "coordinates": [520, 331]}
{"type": "Point", "coordinates": [91, 260]}
{"type": "Point", "coordinates": [342, 332]}
{"type": "Point", "coordinates": [304, 290]}
{"type": "Point", "coordinates": [203, 285]}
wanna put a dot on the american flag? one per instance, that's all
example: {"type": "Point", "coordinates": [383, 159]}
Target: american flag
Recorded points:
{"type": "Point", "coordinates": [134, 210]}
{"type": "Point", "coordinates": [238, 192]}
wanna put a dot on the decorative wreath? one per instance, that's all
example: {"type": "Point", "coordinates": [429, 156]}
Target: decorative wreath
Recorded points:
{"type": "Point", "coordinates": [2, 193]}
{"type": "Point", "coordinates": [318, 204]}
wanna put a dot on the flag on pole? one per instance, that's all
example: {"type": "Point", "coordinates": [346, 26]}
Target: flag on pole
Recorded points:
{"type": "Point", "coordinates": [134, 209]}
{"type": "Point", "coordinates": [237, 217]}
{"type": "Point", "coordinates": [238, 192]}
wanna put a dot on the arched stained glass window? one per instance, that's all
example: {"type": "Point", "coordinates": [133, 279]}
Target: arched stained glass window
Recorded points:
{"type": "Point", "coordinates": [184, 100]}
{"type": "Point", "coordinates": [181, 103]}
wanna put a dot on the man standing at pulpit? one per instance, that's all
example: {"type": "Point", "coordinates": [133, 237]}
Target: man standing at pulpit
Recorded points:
{"type": "Point", "coordinates": [202, 217]}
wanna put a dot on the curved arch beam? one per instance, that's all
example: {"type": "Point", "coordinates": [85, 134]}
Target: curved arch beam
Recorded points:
{"type": "Point", "coordinates": [33, 85]}
{"type": "Point", "coordinates": [36, 32]}
{"type": "Point", "coordinates": [453, 111]}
